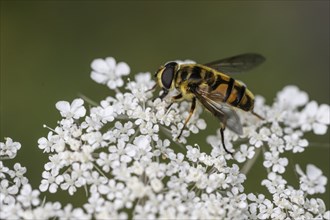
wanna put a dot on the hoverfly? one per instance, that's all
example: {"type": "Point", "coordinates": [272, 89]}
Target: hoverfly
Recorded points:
{"type": "Point", "coordinates": [212, 87]}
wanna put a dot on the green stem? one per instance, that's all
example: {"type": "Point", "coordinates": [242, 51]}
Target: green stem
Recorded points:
{"type": "Point", "coordinates": [249, 164]}
{"type": "Point", "coordinates": [168, 134]}
{"type": "Point", "coordinates": [316, 144]}
{"type": "Point", "coordinates": [88, 100]}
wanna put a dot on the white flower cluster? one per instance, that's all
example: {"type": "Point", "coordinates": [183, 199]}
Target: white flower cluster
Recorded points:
{"type": "Point", "coordinates": [123, 153]}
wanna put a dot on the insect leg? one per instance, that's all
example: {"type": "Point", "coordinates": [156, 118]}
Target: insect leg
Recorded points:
{"type": "Point", "coordinates": [174, 99]}
{"type": "Point", "coordinates": [165, 92]}
{"type": "Point", "coordinates": [260, 117]}
{"type": "Point", "coordinates": [223, 140]}
{"type": "Point", "coordinates": [169, 106]}
{"type": "Point", "coordinates": [192, 109]}
{"type": "Point", "coordinates": [154, 87]}
{"type": "Point", "coordinates": [177, 97]}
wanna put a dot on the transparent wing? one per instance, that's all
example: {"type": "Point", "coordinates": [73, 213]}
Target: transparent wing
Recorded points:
{"type": "Point", "coordinates": [213, 102]}
{"type": "Point", "coordinates": [237, 64]}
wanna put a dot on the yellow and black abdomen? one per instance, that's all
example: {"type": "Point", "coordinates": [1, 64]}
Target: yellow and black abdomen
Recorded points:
{"type": "Point", "coordinates": [241, 97]}
{"type": "Point", "coordinates": [233, 92]}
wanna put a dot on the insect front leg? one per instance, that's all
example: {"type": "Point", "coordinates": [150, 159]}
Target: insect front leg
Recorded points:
{"type": "Point", "coordinates": [177, 98]}
{"type": "Point", "coordinates": [192, 109]}
{"type": "Point", "coordinates": [164, 94]}
{"type": "Point", "coordinates": [153, 88]}
{"type": "Point", "coordinates": [174, 99]}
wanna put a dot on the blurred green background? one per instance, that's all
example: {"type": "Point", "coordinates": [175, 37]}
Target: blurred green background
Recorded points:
{"type": "Point", "coordinates": [47, 48]}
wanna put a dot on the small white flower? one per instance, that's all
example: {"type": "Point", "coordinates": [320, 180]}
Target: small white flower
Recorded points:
{"type": "Point", "coordinates": [215, 181]}
{"type": "Point", "coordinates": [142, 144]}
{"type": "Point", "coordinates": [56, 162]}
{"type": "Point", "coordinates": [162, 148]}
{"type": "Point", "coordinates": [257, 139]}
{"type": "Point", "coordinates": [51, 181]}
{"type": "Point", "coordinates": [18, 174]}
{"type": "Point", "coordinates": [28, 196]}
{"type": "Point", "coordinates": [113, 187]}
{"type": "Point", "coordinates": [94, 139]}
{"type": "Point", "coordinates": [199, 125]}
{"type": "Point", "coordinates": [140, 86]}
{"type": "Point", "coordinates": [194, 175]}
{"type": "Point", "coordinates": [273, 160]}
{"type": "Point", "coordinates": [291, 97]}
{"type": "Point", "coordinates": [297, 196]}
{"type": "Point", "coordinates": [267, 210]}
{"type": "Point", "coordinates": [68, 212]}
{"type": "Point", "coordinates": [295, 143]}
{"type": "Point", "coordinates": [46, 144]}
{"type": "Point", "coordinates": [105, 112]}
{"type": "Point", "coordinates": [155, 170]}
{"type": "Point", "coordinates": [97, 183]}
{"type": "Point", "coordinates": [206, 159]}
{"type": "Point", "coordinates": [71, 182]}
{"type": "Point", "coordinates": [276, 129]}
{"type": "Point", "coordinates": [74, 110]}
{"type": "Point", "coordinates": [315, 206]}
{"type": "Point", "coordinates": [156, 184]}
{"type": "Point", "coordinates": [137, 168]}
{"type": "Point", "coordinates": [3, 170]}
{"type": "Point", "coordinates": [122, 152]}
{"type": "Point", "coordinates": [149, 129]}
{"type": "Point", "coordinates": [258, 199]}
{"type": "Point", "coordinates": [326, 215]}
{"type": "Point", "coordinates": [92, 122]}
{"type": "Point", "coordinates": [273, 182]}
{"type": "Point", "coordinates": [95, 202]}
{"type": "Point", "coordinates": [125, 104]}
{"type": "Point", "coordinates": [193, 153]}
{"type": "Point", "coordinates": [106, 71]}
{"type": "Point", "coordinates": [313, 181]}
{"type": "Point", "coordinates": [7, 192]}
{"type": "Point", "coordinates": [124, 131]}
{"type": "Point", "coordinates": [104, 161]}
{"type": "Point", "coordinates": [244, 153]}
{"type": "Point", "coordinates": [315, 118]}
{"type": "Point", "coordinates": [276, 143]}
{"type": "Point", "coordinates": [176, 130]}
{"type": "Point", "coordinates": [9, 148]}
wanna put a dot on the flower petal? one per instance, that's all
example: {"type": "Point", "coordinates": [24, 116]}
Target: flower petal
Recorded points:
{"type": "Point", "coordinates": [313, 172]}
{"type": "Point", "coordinates": [99, 77]}
{"type": "Point", "coordinates": [323, 114]}
{"type": "Point", "coordinates": [99, 65]}
{"type": "Point", "coordinates": [319, 129]}
{"type": "Point", "coordinates": [63, 106]}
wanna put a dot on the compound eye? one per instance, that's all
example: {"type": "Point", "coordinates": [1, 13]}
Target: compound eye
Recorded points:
{"type": "Point", "coordinates": [168, 74]}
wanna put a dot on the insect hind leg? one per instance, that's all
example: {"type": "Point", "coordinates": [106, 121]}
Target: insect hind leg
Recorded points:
{"type": "Point", "coordinates": [192, 109]}
{"type": "Point", "coordinates": [223, 140]}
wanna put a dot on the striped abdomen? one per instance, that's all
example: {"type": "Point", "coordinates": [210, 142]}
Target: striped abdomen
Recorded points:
{"type": "Point", "coordinates": [234, 92]}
